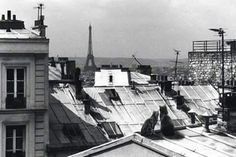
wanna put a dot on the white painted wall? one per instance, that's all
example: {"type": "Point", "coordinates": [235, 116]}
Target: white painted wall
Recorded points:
{"type": "Point", "coordinates": [120, 78]}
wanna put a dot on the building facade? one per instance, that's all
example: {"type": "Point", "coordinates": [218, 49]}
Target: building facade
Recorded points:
{"type": "Point", "coordinates": [24, 90]}
{"type": "Point", "coordinates": [205, 61]}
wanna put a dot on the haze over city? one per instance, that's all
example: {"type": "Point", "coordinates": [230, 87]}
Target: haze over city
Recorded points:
{"type": "Point", "coordinates": [146, 28]}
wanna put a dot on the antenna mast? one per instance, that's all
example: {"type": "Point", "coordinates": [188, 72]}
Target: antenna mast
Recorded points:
{"type": "Point", "coordinates": [176, 63]}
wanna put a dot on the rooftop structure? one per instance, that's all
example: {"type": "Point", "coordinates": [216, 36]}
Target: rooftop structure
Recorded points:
{"type": "Point", "coordinates": [205, 61]}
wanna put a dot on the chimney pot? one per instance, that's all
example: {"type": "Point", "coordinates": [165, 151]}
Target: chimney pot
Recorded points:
{"type": "Point", "coordinates": [3, 17]}
{"type": "Point", "coordinates": [9, 15]}
{"type": "Point", "coordinates": [178, 93]}
{"type": "Point", "coordinates": [14, 17]}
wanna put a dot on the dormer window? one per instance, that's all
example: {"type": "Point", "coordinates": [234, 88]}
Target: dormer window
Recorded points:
{"type": "Point", "coordinates": [15, 97]}
{"type": "Point", "coordinates": [110, 79]}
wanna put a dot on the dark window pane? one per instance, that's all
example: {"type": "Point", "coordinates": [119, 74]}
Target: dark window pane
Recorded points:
{"type": "Point", "coordinates": [10, 74]}
{"type": "Point", "coordinates": [9, 154]}
{"type": "Point", "coordinates": [9, 131]}
{"type": "Point", "coordinates": [10, 87]}
{"type": "Point", "coordinates": [20, 87]}
{"type": "Point", "coordinates": [10, 101]}
{"type": "Point", "coordinates": [19, 143]}
{"type": "Point", "coordinates": [20, 74]}
{"type": "Point", "coordinates": [19, 131]}
{"type": "Point", "coordinates": [9, 143]}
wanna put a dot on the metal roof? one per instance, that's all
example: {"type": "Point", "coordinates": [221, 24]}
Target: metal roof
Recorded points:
{"type": "Point", "coordinates": [201, 98]}
{"type": "Point", "coordinates": [140, 78]}
{"type": "Point", "coordinates": [134, 107]}
{"type": "Point", "coordinates": [196, 142]}
{"type": "Point", "coordinates": [19, 34]}
{"type": "Point", "coordinates": [192, 142]}
{"type": "Point", "coordinates": [54, 72]}
{"type": "Point", "coordinates": [69, 125]}
{"type": "Point", "coordinates": [134, 138]}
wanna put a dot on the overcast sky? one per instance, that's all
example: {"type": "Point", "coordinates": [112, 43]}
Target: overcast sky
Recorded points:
{"type": "Point", "coordinates": [146, 28]}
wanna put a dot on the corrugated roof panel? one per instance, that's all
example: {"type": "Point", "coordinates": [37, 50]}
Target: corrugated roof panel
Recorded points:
{"type": "Point", "coordinates": [135, 97]}
{"type": "Point", "coordinates": [184, 93]}
{"type": "Point", "coordinates": [215, 144]}
{"type": "Point", "coordinates": [198, 148]}
{"type": "Point", "coordinates": [160, 102]}
{"type": "Point", "coordinates": [126, 129]}
{"type": "Point", "coordinates": [125, 114]}
{"type": "Point", "coordinates": [147, 112]}
{"type": "Point", "coordinates": [62, 138]}
{"type": "Point", "coordinates": [65, 109]}
{"type": "Point", "coordinates": [135, 112]}
{"type": "Point", "coordinates": [129, 109]}
{"type": "Point", "coordinates": [155, 95]}
{"type": "Point", "coordinates": [176, 148]}
{"type": "Point", "coordinates": [200, 93]}
{"type": "Point", "coordinates": [60, 113]}
{"type": "Point", "coordinates": [191, 92]}
{"type": "Point", "coordinates": [145, 95]}
{"type": "Point", "coordinates": [124, 96]}
{"type": "Point", "coordinates": [210, 91]}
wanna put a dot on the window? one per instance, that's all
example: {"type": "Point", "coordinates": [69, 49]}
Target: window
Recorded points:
{"type": "Point", "coordinates": [15, 88]}
{"type": "Point", "coordinates": [112, 129]}
{"type": "Point", "coordinates": [15, 141]}
{"type": "Point", "coordinates": [110, 79]}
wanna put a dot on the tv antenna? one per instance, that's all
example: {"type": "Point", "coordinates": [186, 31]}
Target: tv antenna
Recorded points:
{"type": "Point", "coordinates": [176, 62]}
{"type": "Point", "coordinates": [40, 8]}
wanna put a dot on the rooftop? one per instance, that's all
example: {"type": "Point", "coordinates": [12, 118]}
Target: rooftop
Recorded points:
{"type": "Point", "coordinates": [187, 142]}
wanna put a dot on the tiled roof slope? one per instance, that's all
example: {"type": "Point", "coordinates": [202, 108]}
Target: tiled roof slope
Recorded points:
{"type": "Point", "coordinates": [69, 126]}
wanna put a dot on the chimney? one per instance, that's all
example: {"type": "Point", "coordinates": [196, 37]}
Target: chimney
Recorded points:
{"type": "Point", "coordinates": [62, 70]}
{"type": "Point", "coordinates": [3, 17]}
{"type": "Point", "coordinates": [14, 17]}
{"type": "Point", "coordinates": [192, 115]}
{"type": "Point", "coordinates": [133, 85]}
{"type": "Point", "coordinates": [9, 15]}
{"type": "Point", "coordinates": [52, 61]}
{"type": "Point", "coordinates": [78, 84]}
{"type": "Point", "coordinates": [86, 102]}
{"type": "Point", "coordinates": [179, 100]}
{"type": "Point", "coordinates": [86, 106]}
{"type": "Point", "coordinates": [70, 69]}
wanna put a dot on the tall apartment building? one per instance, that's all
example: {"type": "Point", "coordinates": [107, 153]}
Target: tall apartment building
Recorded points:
{"type": "Point", "coordinates": [205, 61]}
{"type": "Point", "coordinates": [24, 88]}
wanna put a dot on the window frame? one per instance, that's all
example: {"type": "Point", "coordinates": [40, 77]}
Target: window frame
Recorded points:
{"type": "Point", "coordinates": [14, 138]}
{"type": "Point", "coordinates": [15, 83]}
{"type": "Point", "coordinates": [29, 83]}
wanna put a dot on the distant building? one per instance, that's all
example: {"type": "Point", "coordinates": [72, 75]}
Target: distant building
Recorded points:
{"type": "Point", "coordinates": [205, 61]}
{"type": "Point", "coordinates": [24, 129]}
{"type": "Point", "coordinates": [112, 76]}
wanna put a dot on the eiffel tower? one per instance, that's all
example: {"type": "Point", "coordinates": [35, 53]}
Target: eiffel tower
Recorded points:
{"type": "Point", "coordinates": [90, 64]}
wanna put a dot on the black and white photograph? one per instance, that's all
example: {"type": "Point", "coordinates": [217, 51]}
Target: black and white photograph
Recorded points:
{"type": "Point", "coordinates": [117, 78]}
